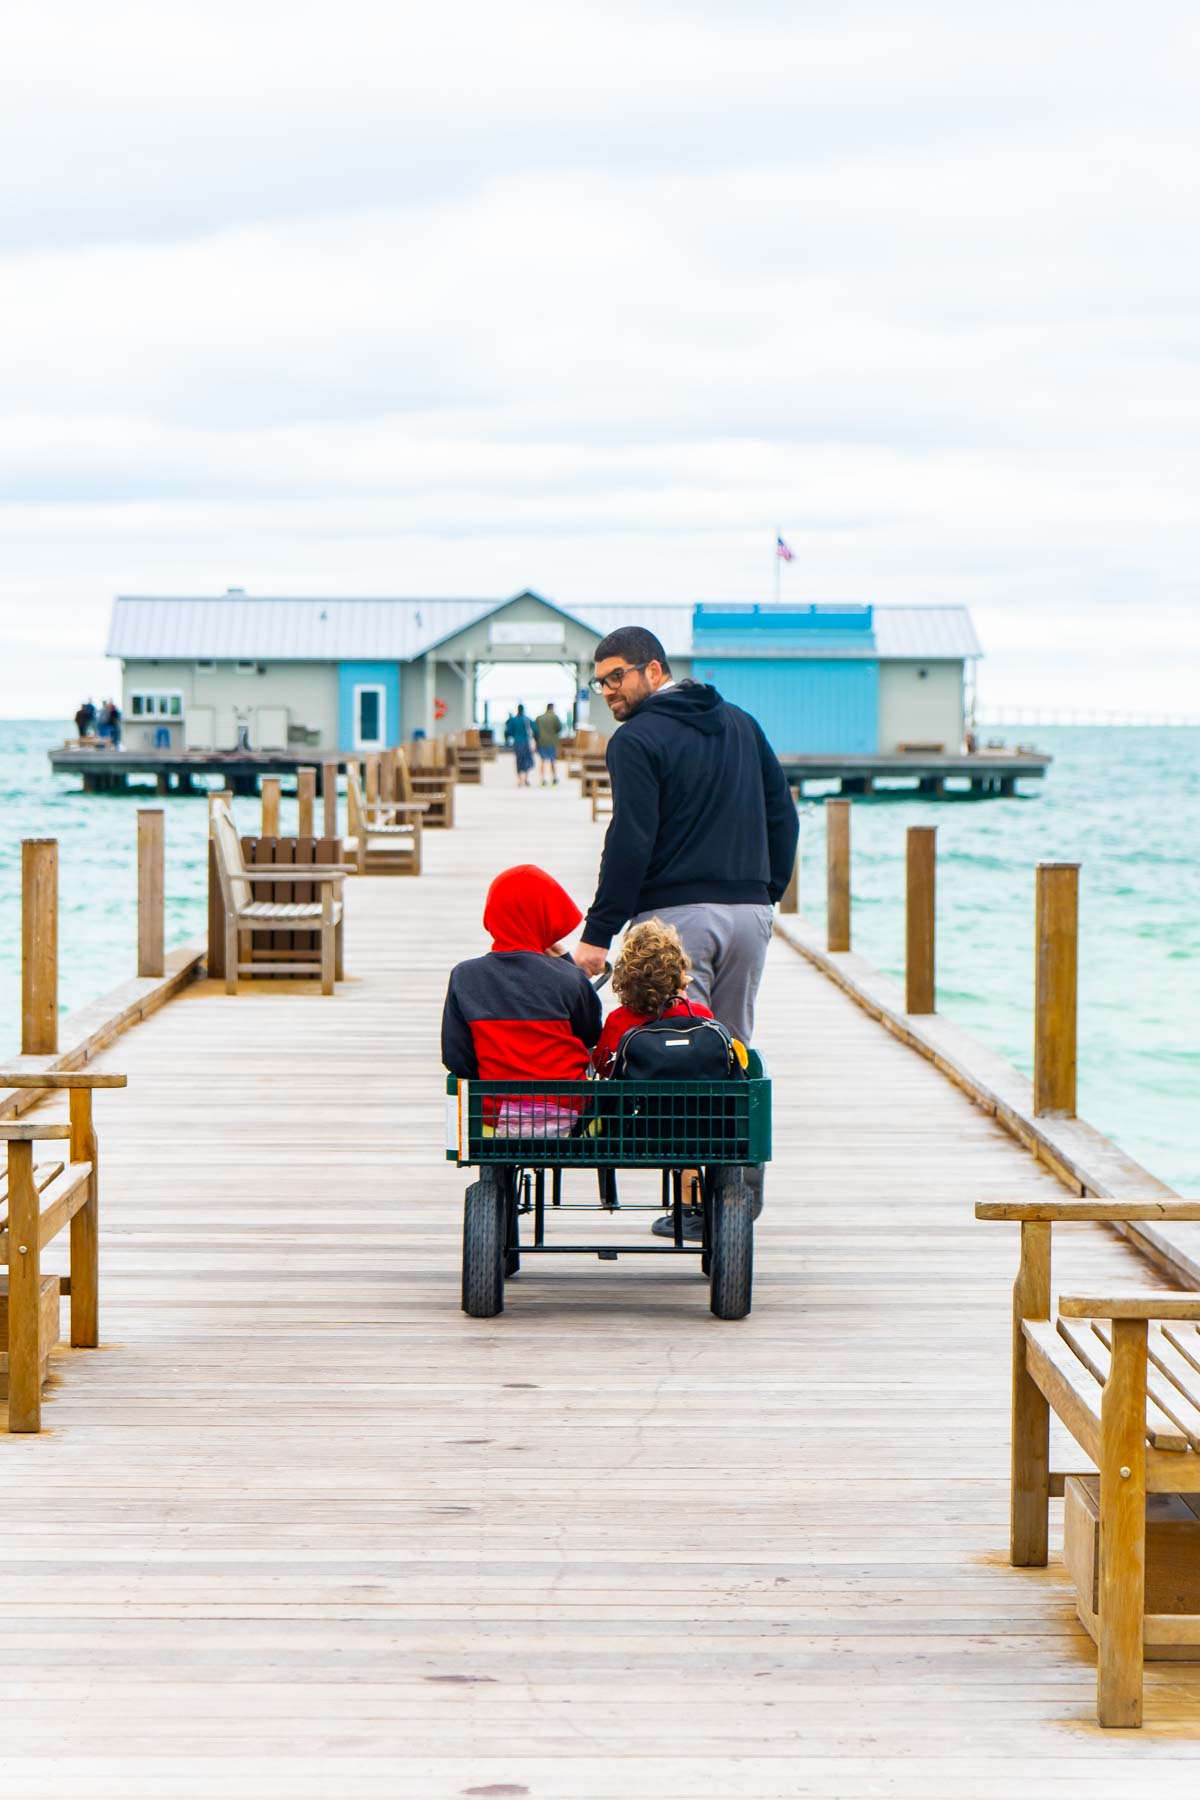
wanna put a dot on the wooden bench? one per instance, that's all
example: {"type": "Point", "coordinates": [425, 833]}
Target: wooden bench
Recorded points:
{"type": "Point", "coordinates": [244, 915]}
{"type": "Point", "coordinates": [36, 1201]}
{"type": "Point", "coordinates": [384, 836]}
{"type": "Point", "coordinates": [1122, 1373]}
{"type": "Point", "coordinates": [428, 781]}
{"type": "Point", "coordinates": [602, 799]}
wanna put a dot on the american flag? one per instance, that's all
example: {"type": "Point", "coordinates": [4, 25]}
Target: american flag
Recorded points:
{"type": "Point", "coordinates": [783, 552]}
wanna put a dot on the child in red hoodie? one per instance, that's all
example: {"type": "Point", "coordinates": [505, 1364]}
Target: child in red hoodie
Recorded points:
{"type": "Point", "coordinates": [525, 1011]}
{"type": "Point", "coordinates": [650, 980]}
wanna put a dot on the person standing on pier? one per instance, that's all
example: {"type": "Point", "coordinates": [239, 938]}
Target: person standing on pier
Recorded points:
{"type": "Point", "coordinates": [703, 833]}
{"type": "Point", "coordinates": [548, 727]}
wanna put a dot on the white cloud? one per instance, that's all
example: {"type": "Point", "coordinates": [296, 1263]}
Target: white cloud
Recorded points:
{"type": "Point", "coordinates": [463, 298]}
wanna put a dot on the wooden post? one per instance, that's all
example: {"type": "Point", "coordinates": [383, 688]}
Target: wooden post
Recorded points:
{"type": "Point", "coordinates": [150, 860]}
{"type": "Point", "coordinates": [306, 799]}
{"type": "Point", "coordinates": [270, 806]}
{"type": "Point", "coordinates": [329, 797]}
{"type": "Point", "coordinates": [215, 960]}
{"type": "Point", "coordinates": [1029, 1492]}
{"type": "Point", "coordinates": [1122, 1528]}
{"type": "Point", "coordinates": [837, 874]}
{"type": "Point", "coordinates": [371, 794]}
{"type": "Point", "coordinates": [791, 893]}
{"type": "Point", "coordinates": [919, 979]}
{"type": "Point", "coordinates": [387, 775]}
{"type": "Point", "coordinates": [24, 1293]}
{"type": "Point", "coordinates": [39, 947]}
{"type": "Point", "coordinates": [1055, 990]}
{"type": "Point", "coordinates": [85, 1229]}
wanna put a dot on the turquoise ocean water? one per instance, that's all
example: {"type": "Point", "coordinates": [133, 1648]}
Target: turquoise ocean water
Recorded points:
{"type": "Point", "coordinates": [1124, 802]}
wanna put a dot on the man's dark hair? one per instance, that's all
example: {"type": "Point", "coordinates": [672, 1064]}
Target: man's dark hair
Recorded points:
{"type": "Point", "coordinates": [634, 644]}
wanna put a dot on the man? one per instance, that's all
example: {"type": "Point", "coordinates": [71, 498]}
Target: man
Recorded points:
{"type": "Point", "coordinates": [703, 832]}
{"type": "Point", "coordinates": [548, 727]}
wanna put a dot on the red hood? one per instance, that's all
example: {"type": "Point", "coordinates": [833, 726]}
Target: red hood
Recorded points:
{"type": "Point", "coordinates": [526, 909]}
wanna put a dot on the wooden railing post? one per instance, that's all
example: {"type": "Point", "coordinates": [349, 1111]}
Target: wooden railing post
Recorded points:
{"type": "Point", "coordinates": [24, 1293]}
{"type": "Point", "coordinates": [270, 806]}
{"type": "Point", "coordinates": [919, 929]}
{"type": "Point", "coordinates": [371, 792]}
{"type": "Point", "coordinates": [387, 775]}
{"type": "Point", "coordinates": [1056, 986]}
{"type": "Point", "coordinates": [837, 874]}
{"type": "Point", "coordinates": [329, 797]}
{"type": "Point", "coordinates": [790, 902]}
{"type": "Point", "coordinates": [306, 801]}
{"type": "Point", "coordinates": [215, 960]}
{"type": "Point", "coordinates": [150, 862]}
{"type": "Point", "coordinates": [39, 947]}
{"type": "Point", "coordinates": [85, 1229]}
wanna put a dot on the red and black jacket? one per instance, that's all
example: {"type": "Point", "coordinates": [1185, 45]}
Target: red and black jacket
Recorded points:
{"type": "Point", "coordinates": [517, 1013]}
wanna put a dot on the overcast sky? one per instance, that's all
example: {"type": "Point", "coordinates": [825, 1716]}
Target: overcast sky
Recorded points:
{"type": "Point", "coordinates": [459, 298]}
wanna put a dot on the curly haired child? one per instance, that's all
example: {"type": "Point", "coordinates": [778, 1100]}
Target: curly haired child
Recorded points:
{"type": "Point", "coordinates": [650, 979]}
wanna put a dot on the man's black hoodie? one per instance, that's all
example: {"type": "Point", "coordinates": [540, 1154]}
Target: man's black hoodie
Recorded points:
{"type": "Point", "coordinates": [701, 811]}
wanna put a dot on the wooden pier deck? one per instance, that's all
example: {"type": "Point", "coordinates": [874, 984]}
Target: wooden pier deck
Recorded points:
{"type": "Point", "coordinates": [302, 1529]}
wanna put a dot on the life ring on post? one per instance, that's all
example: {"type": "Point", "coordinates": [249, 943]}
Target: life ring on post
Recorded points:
{"type": "Point", "coordinates": [439, 709]}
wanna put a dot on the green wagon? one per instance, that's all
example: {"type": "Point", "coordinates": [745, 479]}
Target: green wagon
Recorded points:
{"type": "Point", "coordinates": [519, 1133]}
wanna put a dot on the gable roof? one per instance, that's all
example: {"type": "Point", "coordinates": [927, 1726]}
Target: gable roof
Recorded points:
{"type": "Point", "coordinates": [247, 628]}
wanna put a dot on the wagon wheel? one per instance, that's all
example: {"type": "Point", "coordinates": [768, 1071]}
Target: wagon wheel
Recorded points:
{"type": "Point", "coordinates": [483, 1247]}
{"type": "Point", "coordinates": [731, 1256]}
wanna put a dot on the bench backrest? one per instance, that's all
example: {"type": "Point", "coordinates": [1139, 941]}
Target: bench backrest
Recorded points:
{"type": "Point", "coordinates": [230, 867]}
{"type": "Point", "coordinates": [356, 816]}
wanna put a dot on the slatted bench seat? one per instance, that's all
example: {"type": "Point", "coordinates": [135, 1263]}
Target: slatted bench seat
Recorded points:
{"type": "Point", "coordinates": [37, 1199]}
{"type": "Point", "coordinates": [1122, 1373]}
{"type": "Point", "coordinates": [243, 914]}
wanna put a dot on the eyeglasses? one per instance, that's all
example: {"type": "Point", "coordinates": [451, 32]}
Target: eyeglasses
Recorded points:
{"type": "Point", "coordinates": [615, 677]}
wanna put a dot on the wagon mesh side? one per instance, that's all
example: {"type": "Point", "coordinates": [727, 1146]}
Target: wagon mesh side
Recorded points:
{"type": "Point", "coordinates": [610, 1124]}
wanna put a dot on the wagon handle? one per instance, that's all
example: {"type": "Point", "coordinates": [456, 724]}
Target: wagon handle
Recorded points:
{"type": "Point", "coordinates": [603, 978]}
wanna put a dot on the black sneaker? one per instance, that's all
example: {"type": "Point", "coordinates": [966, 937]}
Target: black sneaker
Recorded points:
{"type": "Point", "coordinates": [693, 1224]}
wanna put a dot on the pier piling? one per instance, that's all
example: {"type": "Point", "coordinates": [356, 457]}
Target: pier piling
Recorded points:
{"type": "Point", "coordinates": [306, 796]}
{"type": "Point", "coordinates": [270, 806]}
{"type": "Point", "coordinates": [329, 798]}
{"type": "Point", "coordinates": [1056, 990]}
{"type": "Point", "coordinates": [919, 919]}
{"type": "Point", "coordinates": [790, 902]}
{"type": "Point", "coordinates": [837, 874]}
{"type": "Point", "coordinates": [215, 960]}
{"type": "Point", "coordinates": [39, 947]}
{"type": "Point", "coordinates": [150, 883]}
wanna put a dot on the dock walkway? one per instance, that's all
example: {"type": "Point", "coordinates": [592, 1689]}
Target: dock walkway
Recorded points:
{"type": "Point", "coordinates": [302, 1529]}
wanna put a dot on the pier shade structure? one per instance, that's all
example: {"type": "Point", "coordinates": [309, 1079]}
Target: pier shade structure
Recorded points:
{"type": "Point", "coordinates": [245, 686]}
{"type": "Point", "coordinates": [300, 1527]}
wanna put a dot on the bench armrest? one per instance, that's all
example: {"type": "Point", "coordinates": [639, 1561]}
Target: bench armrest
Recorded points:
{"type": "Point", "coordinates": [1168, 1304]}
{"type": "Point", "coordinates": [32, 1132]}
{"type": "Point", "coordinates": [263, 872]}
{"type": "Point", "coordinates": [61, 1079]}
{"type": "Point", "coordinates": [1055, 1212]}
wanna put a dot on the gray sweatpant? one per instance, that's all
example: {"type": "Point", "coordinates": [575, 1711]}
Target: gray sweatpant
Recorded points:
{"type": "Point", "coordinates": [728, 948]}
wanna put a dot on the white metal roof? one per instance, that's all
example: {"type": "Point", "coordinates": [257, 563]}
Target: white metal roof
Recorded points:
{"type": "Point", "coordinates": [246, 628]}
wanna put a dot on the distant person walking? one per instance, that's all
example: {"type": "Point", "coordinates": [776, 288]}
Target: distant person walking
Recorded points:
{"type": "Point", "coordinates": [703, 833]}
{"type": "Point", "coordinates": [523, 740]}
{"type": "Point", "coordinates": [549, 728]}
{"type": "Point", "coordinates": [85, 720]}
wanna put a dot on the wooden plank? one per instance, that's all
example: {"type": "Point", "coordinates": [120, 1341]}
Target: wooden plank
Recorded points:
{"type": "Point", "coordinates": [1153, 1304]}
{"type": "Point", "coordinates": [1162, 1429]}
{"type": "Point", "coordinates": [1072, 1393]}
{"type": "Point", "coordinates": [919, 919]}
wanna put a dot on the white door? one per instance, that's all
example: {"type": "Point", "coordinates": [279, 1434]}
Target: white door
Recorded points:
{"type": "Point", "coordinates": [370, 717]}
{"type": "Point", "coordinates": [270, 727]}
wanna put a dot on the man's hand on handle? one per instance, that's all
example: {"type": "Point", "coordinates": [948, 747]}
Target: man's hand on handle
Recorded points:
{"type": "Point", "coordinates": [591, 959]}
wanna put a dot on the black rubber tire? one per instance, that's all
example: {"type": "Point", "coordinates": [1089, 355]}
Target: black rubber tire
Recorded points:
{"type": "Point", "coordinates": [731, 1275]}
{"type": "Point", "coordinates": [483, 1249]}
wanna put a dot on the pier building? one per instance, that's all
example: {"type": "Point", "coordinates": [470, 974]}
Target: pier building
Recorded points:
{"type": "Point", "coordinates": [300, 675]}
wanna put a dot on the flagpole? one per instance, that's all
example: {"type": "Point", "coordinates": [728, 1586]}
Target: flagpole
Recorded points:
{"type": "Point", "coordinates": [778, 567]}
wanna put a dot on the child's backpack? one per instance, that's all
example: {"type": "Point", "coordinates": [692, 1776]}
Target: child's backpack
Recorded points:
{"type": "Point", "coordinates": [683, 1048]}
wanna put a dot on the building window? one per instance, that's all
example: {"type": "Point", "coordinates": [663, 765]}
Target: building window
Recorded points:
{"type": "Point", "coordinates": [205, 668]}
{"type": "Point", "coordinates": [244, 668]}
{"type": "Point", "coordinates": [370, 717]}
{"type": "Point", "coordinates": [156, 706]}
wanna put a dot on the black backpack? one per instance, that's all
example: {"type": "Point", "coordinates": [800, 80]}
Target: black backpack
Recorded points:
{"type": "Point", "coordinates": [683, 1048]}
